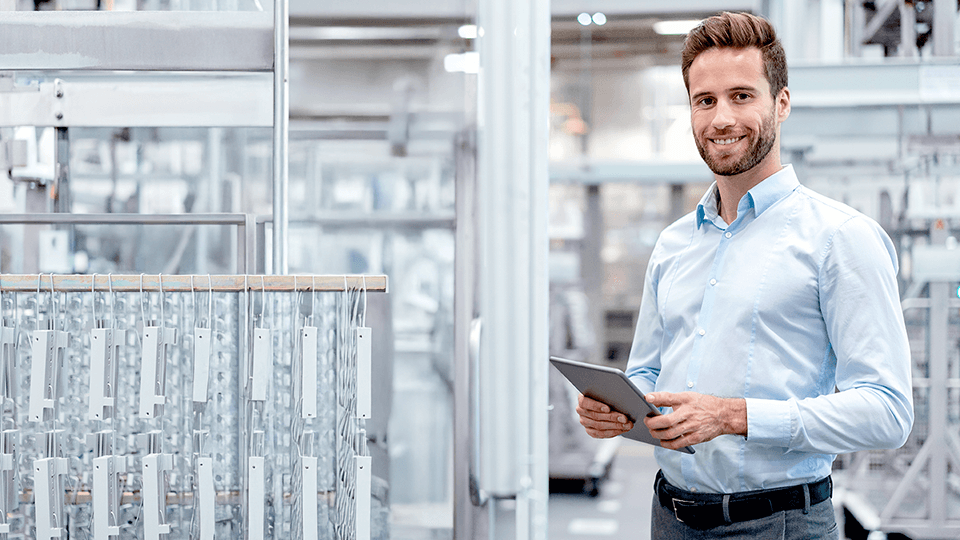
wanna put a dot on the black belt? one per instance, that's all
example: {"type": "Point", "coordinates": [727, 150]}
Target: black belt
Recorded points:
{"type": "Point", "coordinates": [709, 510]}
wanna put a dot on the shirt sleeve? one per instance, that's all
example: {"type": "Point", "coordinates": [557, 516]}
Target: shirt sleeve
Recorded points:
{"type": "Point", "coordinates": [860, 304]}
{"type": "Point", "coordinates": [643, 366]}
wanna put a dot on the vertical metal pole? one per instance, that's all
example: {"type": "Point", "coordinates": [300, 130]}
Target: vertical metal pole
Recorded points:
{"type": "Point", "coordinates": [938, 359]}
{"type": "Point", "coordinates": [944, 20]}
{"type": "Point", "coordinates": [908, 30]}
{"type": "Point", "coordinates": [513, 277]}
{"type": "Point", "coordinates": [591, 264]}
{"type": "Point", "coordinates": [281, 121]}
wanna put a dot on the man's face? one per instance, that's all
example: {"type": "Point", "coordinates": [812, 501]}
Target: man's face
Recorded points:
{"type": "Point", "coordinates": [735, 119]}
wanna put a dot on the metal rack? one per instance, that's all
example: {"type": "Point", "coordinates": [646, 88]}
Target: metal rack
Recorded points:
{"type": "Point", "coordinates": [186, 406]}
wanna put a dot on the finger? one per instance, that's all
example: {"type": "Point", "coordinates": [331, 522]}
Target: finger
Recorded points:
{"type": "Point", "coordinates": [603, 425]}
{"type": "Point", "coordinates": [592, 404]}
{"type": "Point", "coordinates": [663, 399]}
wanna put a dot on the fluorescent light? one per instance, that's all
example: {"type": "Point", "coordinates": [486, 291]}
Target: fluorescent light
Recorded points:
{"type": "Point", "coordinates": [584, 19]}
{"type": "Point", "coordinates": [468, 62]}
{"type": "Point", "coordinates": [599, 19]}
{"type": "Point", "coordinates": [468, 31]}
{"type": "Point", "coordinates": [675, 28]}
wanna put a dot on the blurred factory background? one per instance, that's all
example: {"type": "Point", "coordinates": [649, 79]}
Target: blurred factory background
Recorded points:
{"type": "Point", "coordinates": [166, 108]}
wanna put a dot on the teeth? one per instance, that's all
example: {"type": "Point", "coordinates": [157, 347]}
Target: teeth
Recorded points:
{"type": "Point", "coordinates": [726, 141]}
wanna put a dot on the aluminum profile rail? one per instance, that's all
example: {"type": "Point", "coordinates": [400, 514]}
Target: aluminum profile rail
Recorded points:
{"type": "Point", "coordinates": [136, 41]}
{"type": "Point", "coordinates": [243, 222]}
{"type": "Point", "coordinates": [189, 283]}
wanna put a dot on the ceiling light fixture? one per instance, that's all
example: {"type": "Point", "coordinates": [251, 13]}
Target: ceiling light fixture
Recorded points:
{"type": "Point", "coordinates": [675, 28]}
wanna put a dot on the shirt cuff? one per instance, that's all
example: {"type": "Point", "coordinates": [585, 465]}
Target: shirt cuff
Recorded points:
{"type": "Point", "coordinates": [769, 421]}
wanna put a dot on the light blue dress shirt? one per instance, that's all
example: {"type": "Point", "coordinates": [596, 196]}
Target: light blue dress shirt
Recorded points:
{"type": "Point", "coordinates": [793, 306]}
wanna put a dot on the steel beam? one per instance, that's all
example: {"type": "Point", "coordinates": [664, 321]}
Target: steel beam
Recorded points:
{"type": "Point", "coordinates": [139, 40]}
{"type": "Point", "coordinates": [888, 84]}
{"type": "Point", "coordinates": [140, 100]}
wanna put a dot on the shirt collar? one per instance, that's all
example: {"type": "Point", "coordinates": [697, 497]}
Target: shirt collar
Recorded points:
{"type": "Point", "coordinates": [760, 198]}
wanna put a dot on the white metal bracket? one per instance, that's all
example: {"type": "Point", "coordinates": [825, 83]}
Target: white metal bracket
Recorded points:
{"type": "Point", "coordinates": [364, 464]}
{"type": "Point", "coordinates": [48, 489]}
{"type": "Point", "coordinates": [106, 487]}
{"type": "Point", "coordinates": [153, 372]}
{"type": "Point", "coordinates": [207, 505]}
{"type": "Point", "coordinates": [256, 470]}
{"type": "Point", "coordinates": [308, 358]}
{"type": "Point", "coordinates": [9, 488]}
{"type": "Point", "coordinates": [154, 495]}
{"type": "Point", "coordinates": [262, 362]}
{"type": "Point", "coordinates": [104, 368]}
{"type": "Point", "coordinates": [8, 365]}
{"type": "Point", "coordinates": [202, 343]}
{"type": "Point", "coordinates": [364, 372]}
{"type": "Point", "coordinates": [308, 496]}
{"type": "Point", "coordinates": [46, 384]}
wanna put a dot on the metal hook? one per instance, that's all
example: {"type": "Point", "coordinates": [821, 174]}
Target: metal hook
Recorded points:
{"type": "Point", "coordinates": [313, 296]}
{"type": "Point", "coordinates": [263, 300]}
{"type": "Point", "coordinates": [143, 313]}
{"type": "Point", "coordinates": [93, 294]}
{"type": "Point", "coordinates": [193, 295]}
{"type": "Point", "coordinates": [160, 280]}
{"type": "Point", "coordinates": [210, 302]}
{"type": "Point", "coordinates": [113, 301]}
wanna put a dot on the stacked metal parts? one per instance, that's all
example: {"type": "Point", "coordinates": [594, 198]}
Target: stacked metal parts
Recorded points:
{"type": "Point", "coordinates": [185, 407]}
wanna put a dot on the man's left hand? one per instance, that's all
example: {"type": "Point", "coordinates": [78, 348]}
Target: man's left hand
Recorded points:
{"type": "Point", "coordinates": [695, 418]}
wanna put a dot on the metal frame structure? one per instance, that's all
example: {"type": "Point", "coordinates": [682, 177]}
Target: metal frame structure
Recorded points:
{"type": "Point", "coordinates": [198, 69]}
{"type": "Point", "coordinates": [246, 252]}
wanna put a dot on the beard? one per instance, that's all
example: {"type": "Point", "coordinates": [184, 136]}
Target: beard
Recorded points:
{"type": "Point", "coordinates": [753, 155]}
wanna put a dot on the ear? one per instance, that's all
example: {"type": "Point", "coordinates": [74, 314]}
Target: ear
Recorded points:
{"type": "Point", "coordinates": [783, 104]}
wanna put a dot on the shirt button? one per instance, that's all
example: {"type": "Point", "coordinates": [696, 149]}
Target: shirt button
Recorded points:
{"type": "Point", "coordinates": [689, 385]}
{"type": "Point", "coordinates": [728, 235]}
{"type": "Point", "coordinates": [694, 490]}
{"type": "Point", "coordinates": [702, 332]}
{"type": "Point", "coordinates": [713, 282]}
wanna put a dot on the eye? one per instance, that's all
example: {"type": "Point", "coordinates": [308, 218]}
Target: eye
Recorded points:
{"type": "Point", "coordinates": [706, 102]}
{"type": "Point", "coordinates": [742, 96]}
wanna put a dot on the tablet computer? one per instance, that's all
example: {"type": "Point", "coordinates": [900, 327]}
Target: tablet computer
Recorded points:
{"type": "Point", "coordinates": [611, 386]}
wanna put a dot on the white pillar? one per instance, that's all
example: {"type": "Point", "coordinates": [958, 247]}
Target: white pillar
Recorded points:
{"type": "Point", "coordinates": [512, 163]}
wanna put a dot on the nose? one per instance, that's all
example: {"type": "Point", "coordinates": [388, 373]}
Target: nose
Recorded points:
{"type": "Point", "coordinates": [723, 116]}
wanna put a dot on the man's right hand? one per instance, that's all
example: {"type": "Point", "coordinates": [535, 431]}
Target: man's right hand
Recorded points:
{"type": "Point", "coordinates": [600, 421]}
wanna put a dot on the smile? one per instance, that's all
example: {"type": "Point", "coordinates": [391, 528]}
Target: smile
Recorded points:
{"type": "Point", "coordinates": [723, 142]}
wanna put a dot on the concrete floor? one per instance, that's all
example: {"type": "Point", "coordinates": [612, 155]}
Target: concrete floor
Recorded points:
{"type": "Point", "coordinates": [622, 508]}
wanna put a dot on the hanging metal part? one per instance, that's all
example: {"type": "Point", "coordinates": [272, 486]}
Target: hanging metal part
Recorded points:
{"type": "Point", "coordinates": [154, 491]}
{"type": "Point", "coordinates": [9, 479]}
{"type": "Point", "coordinates": [207, 505]}
{"type": "Point", "coordinates": [46, 384]}
{"type": "Point", "coordinates": [48, 488]}
{"type": "Point", "coordinates": [308, 366]}
{"type": "Point", "coordinates": [202, 342]}
{"type": "Point", "coordinates": [364, 372]}
{"type": "Point", "coordinates": [364, 465]}
{"type": "Point", "coordinates": [308, 496]}
{"type": "Point", "coordinates": [256, 495]}
{"type": "Point", "coordinates": [8, 370]}
{"type": "Point", "coordinates": [107, 468]}
{"type": "Point", "coordinates": [262, 362]}
{"type": "Point", "coordinates": [153, 371]}
{"type": "Point", "coordinates": [104, 369]}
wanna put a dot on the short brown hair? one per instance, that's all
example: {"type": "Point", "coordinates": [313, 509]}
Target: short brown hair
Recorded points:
{"type": "Point", "coordinates": [738, 31]}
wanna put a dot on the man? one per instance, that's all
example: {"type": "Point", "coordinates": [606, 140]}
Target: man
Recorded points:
{"type": "Point", "coordinates": [770, 328]}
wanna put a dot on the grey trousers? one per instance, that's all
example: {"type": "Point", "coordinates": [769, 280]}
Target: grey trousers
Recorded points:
{"type": "Point", "coordinates": [818, 523]}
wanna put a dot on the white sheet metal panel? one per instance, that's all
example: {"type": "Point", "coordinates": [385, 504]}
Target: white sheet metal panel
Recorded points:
{"type": "Point", "coordinates": [46, 386]}
{"type": "Point", "coordinates": [256, 481]}
{"type": "Point", "coordinates": [202, 342]}
{"type": "Point", "coordinates": [207, 505]}
{"type": "Point", "coordinates": [309, 360]}
{"type": "Point", "coordinates": [142, 100]}
{"type": "Point", "coordinates": [48, 488]}
{"type": "Point", "coordinates": [154, 495]}
{"type": "Point", "coordinates": [104, 353]}
{"type": "Point", "coordinates": [139, 40]}
{"type": "Point", "coordinates": [364, 372]}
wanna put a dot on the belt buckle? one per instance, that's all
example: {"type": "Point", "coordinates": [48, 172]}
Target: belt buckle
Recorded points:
{"type": "Point", "coordinates": [676, 514]}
